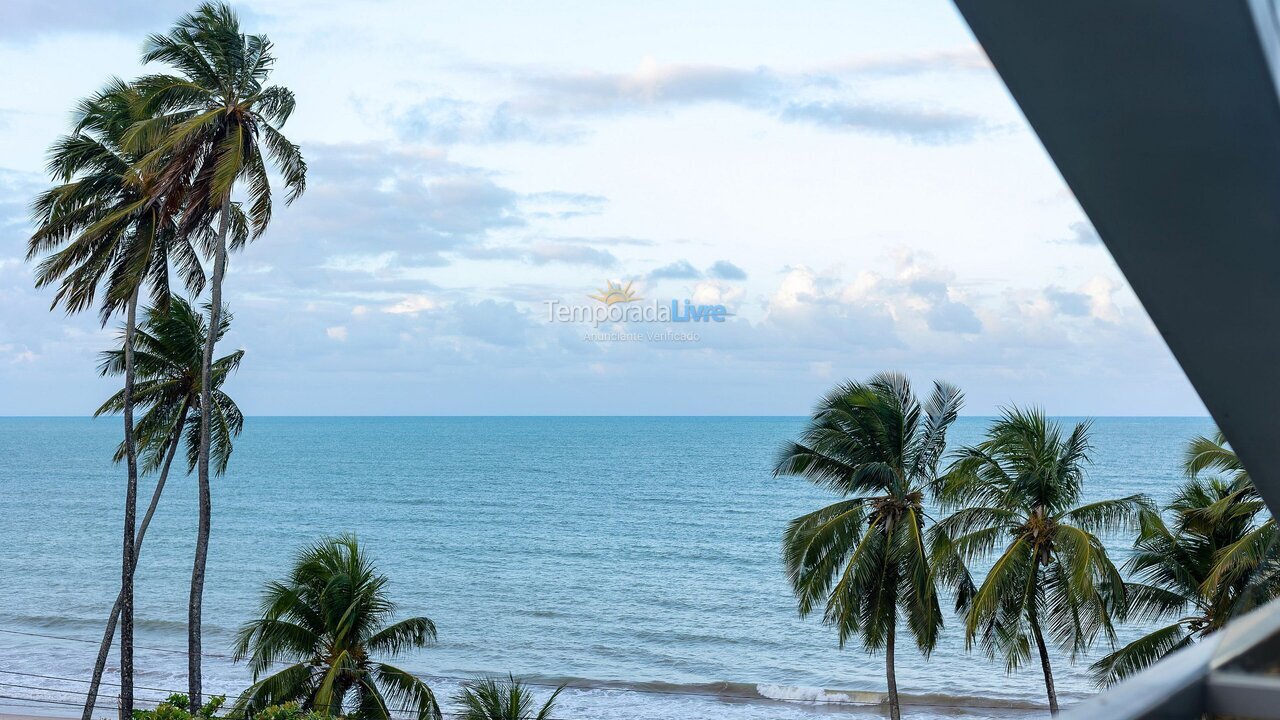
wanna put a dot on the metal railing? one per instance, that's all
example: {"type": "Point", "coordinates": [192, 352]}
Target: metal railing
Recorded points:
{"type": "Point", "coordinates": [1232, 673]}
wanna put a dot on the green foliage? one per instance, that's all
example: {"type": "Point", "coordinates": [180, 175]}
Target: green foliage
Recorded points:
{"type": "Point", "coordinates": [1016, 496]}
{"type": "Point", "coordinates": [214, 120]}
{"type": "Point", "coordinates": [287, 711]}
{"type": "Point", "coordinates": [168, 353]}
{"type": "Point", "coordinates": [497, 699]}
{"type": "Point", "coordinates": [174, 707]}
{"type": "Point", "coordinates": [865, 558]}
{"type": "Point", "coordinates": [324, 624]}
{"type": "Point", "coordinates": [104, 229]}
{"type": "Point", "coordinates": [1211, 557]}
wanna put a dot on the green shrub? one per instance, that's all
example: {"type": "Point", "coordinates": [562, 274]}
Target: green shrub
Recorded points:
{"type": "Point", "coordinates": [174, 707]}
{"type": "Point", "coordinates": [288, 711]}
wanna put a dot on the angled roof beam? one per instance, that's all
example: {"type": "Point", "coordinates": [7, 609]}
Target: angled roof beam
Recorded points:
{"type": "Point", "coordinates": [1164, 119]}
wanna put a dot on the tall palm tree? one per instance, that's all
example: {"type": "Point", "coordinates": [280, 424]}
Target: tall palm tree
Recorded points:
{"type": "Point", "coordinates": [1215, 560]}
{"type": "Point", "coordinates": [107, 227]}
{"type": "Point", "coordinates": [327, 620]}
{"type": "Point", "coordinates": [497, 699]}
{"type": "Point", "coordinates": [1254, 557]}
{"type": "Point", "coordinates": [217, 125]}
{"type": "Point", "coordinates": [168, 351]}
{"type": "Point", "coordinates": [865, 557]}
{"type": "Point", "coordinates": [1017, 495]}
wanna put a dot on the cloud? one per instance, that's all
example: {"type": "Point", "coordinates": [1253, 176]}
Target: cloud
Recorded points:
{"type": "Point", "coordinates": [678, 270]}
{"type": "Point", "coordinates": [491, 321]}
{"type": "Point", "coordinates": [28, 18]}
{"type": "Point", "coordinates": [710, 292]}
{"type": "Point", "coordinates": [337, 332]}
{"type": "Point", "coordinates": [919, 125]}
{"type": "Point", "coordinates": [935, 61]}
{"type": "Point", "coordinates": [547, 105]}
{"type": "Point", "coordinates": [651, 84]}
{"type": "Point", "coordinates": [411, 305]}
{"type": "Point", "coordinates": [381, 217]}
{"type": "Point", "coordinates": [418, 203]}
{"type": "Point", "coordinates": [1068, 302]}
{"type": "Point", "coordinates": [544, 253]}
{"type": "Point", "coordinates": [609, 241]}
{"type": "Point", "coordinates": [725, 270]}
{"type": "Point", "coordinates": [562, 205]}
{"type": "Point", "coordinates": [359, 263]}
{"type": "Point", "coordinates": [1081, 233]}
{"type": "Point", "coordinates": [447, 121]}
{"type": "Point", "coordinates": [920, 292]}
{"type": "Point", "coordinates": [947, 316]}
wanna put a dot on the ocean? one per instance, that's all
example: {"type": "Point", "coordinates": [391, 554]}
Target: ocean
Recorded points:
{"type": "Point", "coordinates": [636, 559]}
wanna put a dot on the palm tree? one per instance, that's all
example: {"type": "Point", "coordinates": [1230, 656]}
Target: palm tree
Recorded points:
{"type": "Point", "coordinates": [865, 557]}
{"type": "Point", "coordinates": [1252, 558]}
{"type": "Point", "coordinates": [217, 124]}
{"type": "Point", "coordinates": [168, 350]}
{"type": "Point", "coordinates": [497, 699]}
{"type": "Point", "coordinates": [107, 227]}
{"type": "Point", "coordinates": [327, 620]}
{"type": "Point", "coordinates": [1018, 494]}
{"type": "Point", "coordinates": [1215, 561]}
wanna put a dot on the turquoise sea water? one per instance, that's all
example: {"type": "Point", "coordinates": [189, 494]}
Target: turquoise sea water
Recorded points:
{"type": "Point", "coordinates": [636, 557]}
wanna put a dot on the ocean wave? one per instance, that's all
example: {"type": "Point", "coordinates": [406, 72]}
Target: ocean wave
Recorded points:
{"type": "Point", "coordinates": [780, 693]}
{"type": "Point", "coordinates": [66, 622]}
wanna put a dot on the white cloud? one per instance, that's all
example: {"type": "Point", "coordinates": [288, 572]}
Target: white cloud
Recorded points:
{"type": "Point", "coordinates": [337, 332]}
{"type": "Point", "coordinates": [799, 286]}
{"type": "Point", "coordinates": [712, 292]}
{"type": "Point", "coordinates": [411, 305]}
{"type": "Point", "coordinates": [359, 263]}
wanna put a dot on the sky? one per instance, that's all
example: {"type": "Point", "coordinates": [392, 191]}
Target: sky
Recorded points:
{"type": "Point", "coordinates": [851, 181]}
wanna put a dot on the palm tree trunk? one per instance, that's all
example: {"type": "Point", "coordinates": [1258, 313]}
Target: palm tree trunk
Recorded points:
{"type": "Point", "coordinates": [100, 665]}
{"type": "Point", "coordinates": [1044, 659]}
{"type": "Point", "coordinates": [895, 710]}
{"type": "Point", "coordinates": [130, 517]}
{"type": "Point", "coordinates": [206, 510]}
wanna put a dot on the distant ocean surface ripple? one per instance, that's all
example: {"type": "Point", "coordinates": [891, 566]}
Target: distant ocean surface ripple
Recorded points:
{"type": "Point", "coordinates": [636, 559]}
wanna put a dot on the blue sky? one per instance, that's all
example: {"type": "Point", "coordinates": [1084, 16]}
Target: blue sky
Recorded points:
{"type": "Point", "coordinates": [850, 179]}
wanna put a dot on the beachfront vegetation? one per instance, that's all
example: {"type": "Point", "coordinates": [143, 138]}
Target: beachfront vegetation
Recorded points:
{"type": "Point", "coordinates": [865, 558]}
{"type": "Point", "coordinates": [143, 187]}
{"type": "Point", "coordinates": [104, 233]}
{"type": "Point", "coordinates": [326, 623]}
{"type": "Point", "coordinates": [165, 175]}
{"type": "Point", "coordinates": [216, 127]}
{"type": "Point", "coordinates": [1213, 560]}
{"type": "Point", "coordinates": [175, 707]}
{"type": "Point", "coordinates": [1015, 499]}
{"type": "Point", "coordinates": [1016, 495]}
{"type": "Point", "coordinates": [498, 699]}
{"type": "Point", "coordinates": [168, 351]}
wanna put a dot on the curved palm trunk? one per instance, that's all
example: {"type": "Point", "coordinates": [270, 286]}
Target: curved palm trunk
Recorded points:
{"type": "Point", "coordinates": [100, 665]}
{"type": "Point", "coordinates": [1044, 659]}
{"type": "Point", "coordinates": [206, 510]}
{"type": "Point", "coordinates": [130, 517]}
{"type": "Point", "coordinates": [895, 710]}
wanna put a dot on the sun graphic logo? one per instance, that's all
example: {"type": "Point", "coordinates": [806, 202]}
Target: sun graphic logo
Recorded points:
{"type": "Point", "coordinates": [615, 292]}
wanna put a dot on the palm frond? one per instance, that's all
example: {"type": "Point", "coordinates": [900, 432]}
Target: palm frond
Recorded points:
{"type": "Point", "coordinates": [1140, 654]}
